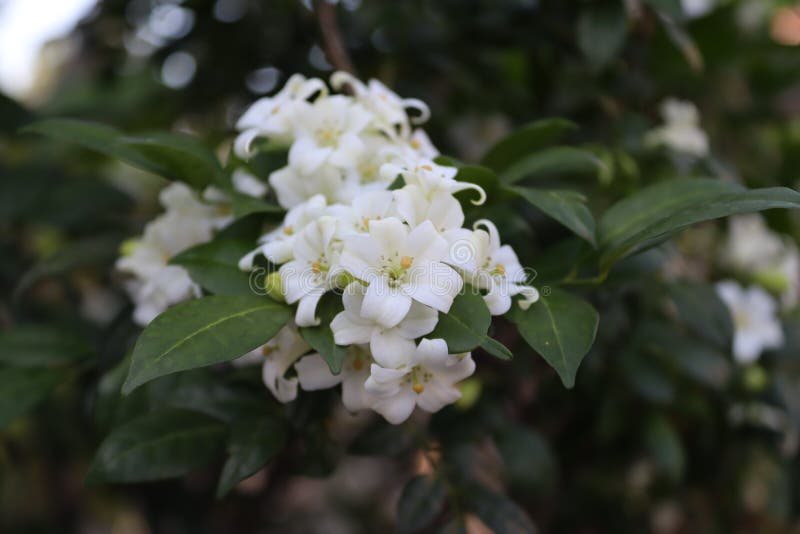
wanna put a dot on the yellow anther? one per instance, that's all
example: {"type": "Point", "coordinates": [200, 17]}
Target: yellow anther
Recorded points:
{"type": "Point", "coordinates": [500, 268]}
{"type": "Point", "coordinates": [415, 143]}
{"type": "Point", "coordinates": [275, 109]}
{"type": "Point", "coordinates": [265, 350]}
{"type": "Point", "coordinates": [405, 262]}
{"type": "Point", "coordinates": [316, 267]}
{"type": "Point", "coordinates": [288, 230]}
{"type": "Point", "coordinates": [366, 223]}
{"type": "Point", "coordinates": [427, 167]}
{"type": "Point", "coordinates": [418, 388]}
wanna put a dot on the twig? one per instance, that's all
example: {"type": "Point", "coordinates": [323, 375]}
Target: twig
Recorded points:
{"type": "Point", "coordinates": [334, 47]}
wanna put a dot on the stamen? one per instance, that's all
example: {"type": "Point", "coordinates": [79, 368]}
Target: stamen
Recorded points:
{"type": "Point", "coordinates": [288, 230]}
{"type": "Point", "coordinates": [500, 268]}
{"type": "Point", "coordinates": [315, 266]}
{"type": "Point", "coordinates": [405, 262]}
{"type": "Point", "coordinates": [266, 350]}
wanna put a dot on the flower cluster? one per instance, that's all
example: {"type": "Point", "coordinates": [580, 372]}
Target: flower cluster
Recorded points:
{"type": "Point", "coordinates": [156, 285]}
{"type": "Point", "coordinates": [681, 131]}
{"type": "Point", "coordinates": [397, 256]}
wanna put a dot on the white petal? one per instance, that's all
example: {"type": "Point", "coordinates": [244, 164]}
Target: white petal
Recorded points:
{"type": "Point", "coordinates": [434, 284]}
{"type": "Point", "coordinates": [307, 309]}
{"type": "Point", "coordinates": [390, 349]}
{"type": "Point", "coordinates": [385, 305]}
{"type": "Point", "coordinates": [425, 243]}
{"type": "Point", "coordinates": [348, 329]}
{"type": "Point", "coordinates": [420, 320]}
{"type": "Point", "coordinates": [314, 373]}
{"type": "Point", "coordinates": [398, 408]}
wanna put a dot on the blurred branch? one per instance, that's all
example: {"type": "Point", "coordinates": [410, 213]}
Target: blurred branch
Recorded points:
{"type": "Point", "coordinates": [335, 50]}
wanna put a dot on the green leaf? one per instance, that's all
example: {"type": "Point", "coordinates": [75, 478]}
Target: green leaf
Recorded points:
{"type": "Point", "coordinates": [601, 32]}
{"type": "Point", "coordinates": [244, 205]}
{"type": "Point", "coordinates": [215, 266]}
{"type": "Point", "coordinates": [41, 345]}
{"type": "Point", "coordinates": [94, 136]}
{"type": "Point", "coordinates": [701, 309]}
{"type": "Point", "coordinates": [567, 207]}
{"type": "Point", "coordinates": [88, 251]}
{"type": "Point", "coordinates": [665, 447]}
{"type": "Point", "coordinates": [525, 140]}
{"type": "Point", "coordinates": [21, 389]}
{"type": "Point", "coordinates": [321, 337]}
{"type": "Point", "coordinates": [252, 444]}
{"type": "Point", "coordinates": [465, 326]}
{"type": "Point", "coordinates": [552, 161]}
{"type": "Point", "coordinates": [158, 445]}
{"type": "Point", "coordinates": [422, 500]}
{"type": "Point", "coordinates": [561, 327]}
{"type": "Point", "coordinates": [496, 349]}
{"type": "Point", "coordinates": [676, 205]}
{"type": "Point", "coordinates": [497, 511]}
{"type": "Point", "coordinates": [179, 157]}
{"type": "Point", "coordinates": [202, 332]}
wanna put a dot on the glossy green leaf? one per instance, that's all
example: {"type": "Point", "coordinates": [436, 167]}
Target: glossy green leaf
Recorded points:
{"type": "Point", "coordinates": [497, 511]}
{"type": "Point", "coordinates": [552, 161]}
{"type": "Point", "coordinates": [252, 444]}
{"type": "Point", "coordinates": [244, 205]}
{"type": "Point", "coordinates": [158, 445]}
{"type": "Point", "coordinates": [701, 309]}
{"type": "Point", "coordinates": [496, 349]}
{"type": "Point", "coordinates": [321, 337]}
{"type": "Point", "coordinates": [465, 326]}
{"type": "Point", "coordinates": [178, 157]}
{"type": "Point", "coordinates": [215, 266]}
{"type": "Point", "coordinates": [21, 389]}
{"type": "Point", "coordinates": [567, 207]}
{"type": "Point", "coordinates": [37, 345]}
{"type": "Point", "coordinates": [422, 500]}
{"type": "Point", "coordinates": [601, 32]}
{"type": "Point", "coordinates": [94, 136]}
{"type": "Point", "coordinates": [561, 327]}
{"type": "Point", "coordinates": [524, 141]}
{"type": "Point", "coordinates": [202, 332]}
{"type": "Point", "coordinates": [677, 205]}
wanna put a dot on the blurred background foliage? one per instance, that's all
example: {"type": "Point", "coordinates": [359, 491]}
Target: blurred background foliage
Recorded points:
{"type": "Point", "coordinates": [662, 433]}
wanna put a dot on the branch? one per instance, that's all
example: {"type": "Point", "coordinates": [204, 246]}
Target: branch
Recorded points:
{"type": "Point", "coordinates": [334, 48]}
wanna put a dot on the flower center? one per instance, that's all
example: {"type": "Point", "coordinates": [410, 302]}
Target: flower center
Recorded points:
{"type": "Point", "coordinates": [328, 136]}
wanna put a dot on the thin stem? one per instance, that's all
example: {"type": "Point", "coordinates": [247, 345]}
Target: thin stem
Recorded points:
{"type": "Point", "coordinates": [334, 47]}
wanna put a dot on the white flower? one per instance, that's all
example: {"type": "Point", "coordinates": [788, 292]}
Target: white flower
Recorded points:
{"type": "Point", "coordinates": [756, 324]}
{"type": "Point", "coordinates": [366, 208]}
{"type": "Point", "coordinates": [278, 355]}
{"type": "Point", "coordinates": [400, 265]}
{"type": "Point", "coordinates": [327, 132]}
{"type": "Point", "coordinates": [431, 177]}
{"type": "Point", "coordinates": [697, 8]}
{"type": "Point", "coordinates": [389, 109]}
{"type": "Point", "coordinates": [682, 132]}
{"type": "Point", "coordinates": [277, 245]}
{"type": "Point", "coordinates": [427, 381]}
{"type": "Point", "coordinates": [166, 287]}
{"type": "Point", "coordinates": [769, 258]}
{"type": "Point", "coordinates": [390, 346]}
{"type": "Point", "coordinates": [271, 116]}
{"type": "Point", "coordinates": [247, 184]}
{"type": "Point", "coordinates": [494, 267]}
{"type": "Point", "coordinates": [186, 222]}
{"type": "Point", "coordinates": [314, 269]}
{"type": "Point", "coordinates": [314, 374]}
{"type": "Point", "coordinates": [415, 206]}
{"type": "Point", "coordinates": [421, 144]}
{"type": "Point", "coordinates": [293, 187]}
